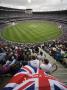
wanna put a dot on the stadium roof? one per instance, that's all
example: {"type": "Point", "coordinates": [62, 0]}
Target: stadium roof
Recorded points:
{"type": "Point", "coordinates": [36, 5]}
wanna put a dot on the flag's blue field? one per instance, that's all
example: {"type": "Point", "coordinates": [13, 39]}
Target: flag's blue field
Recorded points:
{"type": "Point", "coordinates": [31, 31]}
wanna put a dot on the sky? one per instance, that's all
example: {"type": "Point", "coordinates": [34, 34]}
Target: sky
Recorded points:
{"type": "Point", "coordinates": [36, 5]}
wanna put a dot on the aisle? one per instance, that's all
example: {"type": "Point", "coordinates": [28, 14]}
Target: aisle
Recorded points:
{"type": "Point", "coordinates": [61, 72]}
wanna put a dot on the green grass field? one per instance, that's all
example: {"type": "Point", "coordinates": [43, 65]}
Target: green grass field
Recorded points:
{"type": "Point", "coordinates": [31, 32]}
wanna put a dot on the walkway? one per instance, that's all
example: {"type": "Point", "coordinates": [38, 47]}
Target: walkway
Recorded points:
{"type": "Point", "coordinates": [61, 72]}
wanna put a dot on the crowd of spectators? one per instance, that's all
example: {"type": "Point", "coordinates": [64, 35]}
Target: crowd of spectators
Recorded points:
{"type": "Point", "coordinates": [57, 49]}
{"type": "Point", "coordinates": [12, 57]}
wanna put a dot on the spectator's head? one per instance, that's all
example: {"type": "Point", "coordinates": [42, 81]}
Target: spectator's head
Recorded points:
{"type": "Point", "coordinates": [41, 53]}
{"type": "Point", "coordinates": [46, 61]}
{"type": "Point", "coordinates": [54, 49]}
{"type": "Point", "coordinates": [33, 57]}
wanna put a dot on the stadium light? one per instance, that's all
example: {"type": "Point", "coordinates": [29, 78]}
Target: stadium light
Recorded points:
{"type": "Point", "coordinates": [29, 1]}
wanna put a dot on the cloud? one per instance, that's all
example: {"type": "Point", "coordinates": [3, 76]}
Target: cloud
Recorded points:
{"type": "Point", "coordinates": [12, 6]}
{"type": "Point", "coordinates": [37, 5]}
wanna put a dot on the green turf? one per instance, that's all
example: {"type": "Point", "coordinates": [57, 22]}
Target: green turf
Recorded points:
{"type": "Point", "coordinates": [31, 32]}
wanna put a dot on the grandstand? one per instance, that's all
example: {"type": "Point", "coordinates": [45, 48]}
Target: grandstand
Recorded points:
{"type": "Point", "coordinates": [13, 15]}
{"type": "Point", "coordinates": [10, 15]}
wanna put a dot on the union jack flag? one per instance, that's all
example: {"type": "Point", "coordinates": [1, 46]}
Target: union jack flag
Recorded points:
{"type": "Point", "coordinates": [36, 81]}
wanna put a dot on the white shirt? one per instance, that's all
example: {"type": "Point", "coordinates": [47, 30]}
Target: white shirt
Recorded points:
{"type": "Point", "coordinates": [41, 57]}
{"type": "Point", "coordinates": [35, 63]}
{"type": "Point", "coordinates": [46, 67]}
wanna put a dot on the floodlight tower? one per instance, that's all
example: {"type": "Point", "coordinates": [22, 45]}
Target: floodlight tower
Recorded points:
{"type": "Point", "coordinates": [28, 11]}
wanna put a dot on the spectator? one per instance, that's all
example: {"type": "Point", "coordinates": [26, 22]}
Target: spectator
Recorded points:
{"type": "Point", "coordinates": [34, 62]}
{"type": "Point", "coordinates": [46, 66]}
{"type": "Point", "coordinates": [41, 56]}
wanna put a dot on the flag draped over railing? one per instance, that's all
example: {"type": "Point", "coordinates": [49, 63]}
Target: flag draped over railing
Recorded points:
{"type": "Point", "coordinates": [28, 78]}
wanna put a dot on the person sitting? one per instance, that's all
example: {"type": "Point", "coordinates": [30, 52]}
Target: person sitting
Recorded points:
{"type": "Point", "coordinates": [46, 66]}
{"type": "Point", "coordinates": [34, 62]}
{"type": "Point", "coordinates": [7, 66]}
{"type": "Point", "coordinates": [41, 56]}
